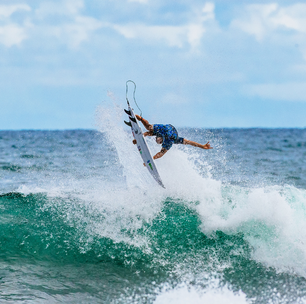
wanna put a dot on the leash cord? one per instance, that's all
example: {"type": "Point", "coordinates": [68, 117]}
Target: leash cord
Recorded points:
{"type": "Point", "coordinates": [126, 93]}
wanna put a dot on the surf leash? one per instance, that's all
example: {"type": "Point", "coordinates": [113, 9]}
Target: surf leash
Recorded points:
{"type": "Point", "coordinates": [126, 93]}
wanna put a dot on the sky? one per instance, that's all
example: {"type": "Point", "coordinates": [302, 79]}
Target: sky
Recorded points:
{"type": "Point", "coordinates": [214, 64]}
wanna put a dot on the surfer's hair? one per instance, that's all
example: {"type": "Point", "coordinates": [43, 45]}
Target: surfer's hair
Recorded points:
{"type": "Point", "coordinates": [159, 138]}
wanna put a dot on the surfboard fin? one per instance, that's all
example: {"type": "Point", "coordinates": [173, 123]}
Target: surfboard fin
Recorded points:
{"type": "Point", "coordinates": [132, 119]}
{"type": "Point", "coordinates": [127, 112]}
{"type": "Point", "coordinates": [128, 123]}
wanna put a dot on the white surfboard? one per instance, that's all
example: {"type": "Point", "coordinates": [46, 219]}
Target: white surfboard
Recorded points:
{"type": "Point", "coordinates": [142, 145]}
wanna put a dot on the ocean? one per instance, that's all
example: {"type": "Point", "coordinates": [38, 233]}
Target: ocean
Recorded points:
{"type": "Point", "coordinates": [82, 221]}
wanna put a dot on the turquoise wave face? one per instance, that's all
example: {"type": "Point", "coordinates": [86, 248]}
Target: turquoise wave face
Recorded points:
{"type": "Point", "coordinates": [53, 235]}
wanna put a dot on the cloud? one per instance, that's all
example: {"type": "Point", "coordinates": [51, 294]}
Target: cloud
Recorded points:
{"type": "Point", "coordinates": [255, 19]}
{"type": "Point", "coordinates": [261, 20]}
{"type": "Point", "coordinates": [295, 92]}
{"type": "Point", "coordinates": [292, 17]}
{"type": "Point", "coordinates": [66, 7]}
{"type": "Point", "coordinates": [7, 10]}
{"type": "Point", "coordinates": [72, 29]}
{"type": "Point", "coordinates": [12, 33]}
{"type": "Point", "coordinates": [173, 35]}
{"type": "Point", "coordinates": [75, 32]}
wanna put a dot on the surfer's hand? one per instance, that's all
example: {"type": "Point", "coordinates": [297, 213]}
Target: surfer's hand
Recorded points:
{"type": "Point", "coordinates": [144, 164]}
{"type": "Point", "coordinates": [160, 154]}
{"type": "Point", "coordinates": [207, 146]}
{"type": "Point", "coordinates": [134, 141]}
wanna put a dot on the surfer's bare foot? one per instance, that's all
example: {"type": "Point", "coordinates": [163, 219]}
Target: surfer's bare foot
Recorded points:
{"type": "Point", "coordinates": [138, 117]}
{"type": "Point", "coordinates": [134, 141]}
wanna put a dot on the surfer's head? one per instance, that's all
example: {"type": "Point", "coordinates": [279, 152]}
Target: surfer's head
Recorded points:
{"type": "Point", "coordinates": [159, 140]}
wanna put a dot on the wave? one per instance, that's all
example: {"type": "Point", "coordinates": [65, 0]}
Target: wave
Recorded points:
{"type": "Point", "coordinates": [169, 248]}
{"type": "Point", "coordinates": [197, 231]}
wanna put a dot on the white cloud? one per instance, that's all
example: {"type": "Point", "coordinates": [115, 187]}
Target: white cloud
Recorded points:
{"type": "Point", "coordinates": [262, 20]}
{"type": "Point", "coordinates": [208, 11]}
{"type": "Point", "coordinates": [73, 29]}
{"type": "Point", "coordinates": [255, 19]}
{"type": "Point", "coordinates": [12, 33]}
{"type": "Point", "coordinates": [292, 17]}
{"type": "Point", "coordinates": [75, 32]}
{"type": "Point", "coordinates": [66, 7]}
{"type": "Point", "coordinates": [174, 36]}
{"type": "Point", "coordinates": [7, 10]}
{"type": "Point", "coordinates": [295, 92]}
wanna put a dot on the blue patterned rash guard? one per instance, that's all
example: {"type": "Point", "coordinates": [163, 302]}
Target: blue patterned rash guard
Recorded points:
{"type": "Point", "coordinates": [169, 135]}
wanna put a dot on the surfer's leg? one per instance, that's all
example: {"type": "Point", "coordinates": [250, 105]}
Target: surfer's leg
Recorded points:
{"type": "Point", "coordinates": [195, 144]}
{"type": "Point", "coordinates": [145, 123]}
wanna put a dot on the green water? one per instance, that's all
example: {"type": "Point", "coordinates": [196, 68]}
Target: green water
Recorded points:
{"type": "Point", "coordinates": [46, 254]}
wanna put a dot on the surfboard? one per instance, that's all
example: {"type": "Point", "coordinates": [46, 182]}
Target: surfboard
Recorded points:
{"type": "Point", "coordinates": [142, 145]}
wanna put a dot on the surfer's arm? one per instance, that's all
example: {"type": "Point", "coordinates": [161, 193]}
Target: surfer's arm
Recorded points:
{"type": "Point", "coordinates": [149, 133]}
{"type": "Point", "coordinates": [146, 124]}
{"type": "Point", "coordinates": [195, 144]}
{"type": "Point", "coordinates": [160, 154]}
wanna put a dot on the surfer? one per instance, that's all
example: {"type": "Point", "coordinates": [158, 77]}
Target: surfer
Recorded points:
{"type": "Point", "coordinates": [166, 135]}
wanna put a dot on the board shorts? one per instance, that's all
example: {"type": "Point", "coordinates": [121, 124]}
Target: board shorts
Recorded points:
{"type": "Point", "coordinates": [169, 135]}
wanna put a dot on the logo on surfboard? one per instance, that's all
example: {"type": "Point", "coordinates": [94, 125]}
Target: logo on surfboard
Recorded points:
{"type": "Point", "coordinates": [150, 164]}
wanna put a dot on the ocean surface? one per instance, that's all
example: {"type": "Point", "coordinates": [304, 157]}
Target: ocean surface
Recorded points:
{"type": "Point", "coordinates": [82, 221]}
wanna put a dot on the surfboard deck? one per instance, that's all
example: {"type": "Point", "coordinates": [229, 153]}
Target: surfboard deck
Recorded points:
{"type": "Point", "coordinates": [142, 145]}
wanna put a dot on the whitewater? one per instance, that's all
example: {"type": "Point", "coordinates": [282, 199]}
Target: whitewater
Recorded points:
{"type": "Point", "coordinates": [82, 221]}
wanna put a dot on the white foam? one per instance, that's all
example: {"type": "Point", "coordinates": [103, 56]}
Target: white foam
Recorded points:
{"type": "Point", "coordinates": [185, 294]}
{"type": "Point", "coordinates": [272, 220]}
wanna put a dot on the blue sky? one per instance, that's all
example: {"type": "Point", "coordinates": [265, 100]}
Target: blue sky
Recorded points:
{"type": "Point", "coordinates": [203, 64]}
